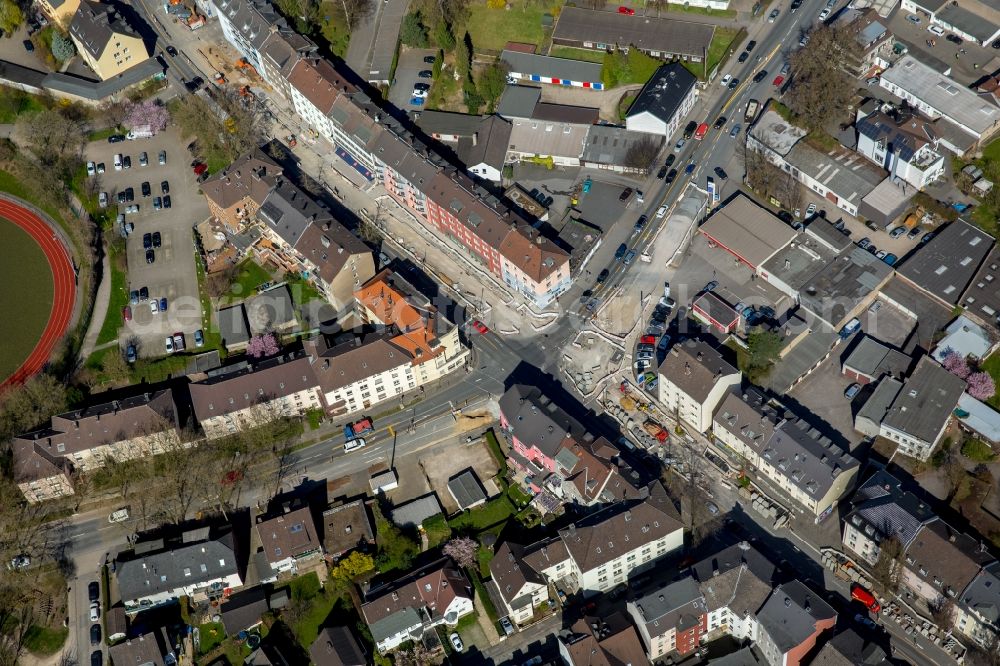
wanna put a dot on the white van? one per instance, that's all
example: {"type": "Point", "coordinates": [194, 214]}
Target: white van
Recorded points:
{"type": "Point", "coordinates": [354, 445]}
{"type": "Point", "coordinates": [119, 516]}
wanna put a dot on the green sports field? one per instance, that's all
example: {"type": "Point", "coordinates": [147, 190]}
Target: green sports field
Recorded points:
{"type": "Point", "coordinates": [25, 296]}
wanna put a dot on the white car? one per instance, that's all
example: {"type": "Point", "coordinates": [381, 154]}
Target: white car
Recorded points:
{"type": "Point", "coordinates": [154, 305]}
{"type": "Point", "coordinates": [725, 80]}
{"type": "Point", "coordinates": [810, 210]}
{"type": "Point", "coordinates": [119, 515]}
{"type": "Point", "coordinates": [118, 162]}
{"type": "Point", "coordinates": [661, 211]}
{"type": "Point", "coordinates": [95, 612]}
{"type": "Point", "coordinates": [456, 642]}
{"type": "Point", "coordinates": [170, 345]}
{"type": "Point", "coordinates": [91, 168]}
{"type": "Point", "coordinates": [936, 30]}
{"type": "Point", "coordinates": [824, 14]}
{"type": "Point", "coordinates": [419, 93]}
{"type": "Point", "coordinates": [354, 444]}
{"type": "Point", "coordinates": [102, 199]}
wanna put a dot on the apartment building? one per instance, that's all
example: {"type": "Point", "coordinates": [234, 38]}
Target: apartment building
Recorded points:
{"type": "Point", "coordinates": [663, 102]}
{"type": "Point", "coordinates": [735, 583]}
{"type": "Point", "coordinates": [105, 41]}
{"type": "Point", "coordinates": [917, 418]}
{"type": "Point", "coordinates": [977, 611]}
{"type": "Point", "coordinates": [882, 510]}
{"type": "Point", "coordinates": [601, 641]}
{"type": "Point", "coordinates": [941, 562]}
{"type": "Point", "coordinates": [253, 28]}
{"type": "Point", "coordinates": [202, 566]}
{"type": "Point", "coordinates": [694, 378]}
{"type": "Point", "coordinates": [289, 538]}
{"type": "Point", "coordinates": [60, 11]}
{"type": "Point", "coordinates": [438, 594]}
{"type": "Point", "coordinates": [84, 439]}
{"type": "Point", "coordinates": [314, 86]}
{"type": "Point", "coordinates": [903, 145]}
{"type": "Point", "coordinates": [248, 395]}
{"type": "Point", "coordinates": [412, 345]}
{"type": "Point", "coordinates": [873, 48]}
{"type": "Point", "coordinates": [670, 618]}
{"type": "Point", "coordinates": [791, 622]}
{"type": "Point", "coordinates": [521, 575]}
{"type": "Point", "coordinates": [236, 193]}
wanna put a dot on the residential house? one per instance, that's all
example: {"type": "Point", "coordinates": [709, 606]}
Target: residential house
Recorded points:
{"type": "Point", "coordinates": [236, 193]}
{"type": "Point", "coordinates": [314, 86]}
{"type": "Point", "coordinates": [791, 622]}
{"type": "Point", "coordinates": [479, 142]}
{"type": "Point", "coordinates": [664, 102]}
{"type": "Point", "coordinates": [414, 345]}
{"type": "Point", "coordinates": [202, 566]}
{"type": "Point", "coordinates": [941, 562]}
{"type": "Point", "coordinates": [243, 610]}
{"type": "Point", "coordinates": [60, 11]}
{"type": "Point", "coordinates": [873, 49]}
{"type": "Point", "coordinates": [84, 439]}
{"type": "Point", "coordinates": [522, 587]}
{"type": "Point", "coordinates": [868, 419]}
{"type": "Point", "coordinates": [438, 594]}
{"type": "Point", "coordinates": [745, 422]}
{"type": "Point", "coordinates": [601, 641]}
{"type": "Point", "coordinates": [550, 132]}
{"type": "Point", "coordinates": [922, 410]}
{"type": "Point", "coordinates": [693, 380]}
{"type": "Point", "coordinates": [153, 648]}
{"type": "Point", "coordinates": [735, 583]}
{"type": "Point", "coordinates": [337, 646]}
{"type": "Point", "coordinates": [882, 510]}
{"type": "Point", "coordinates": [248, 395]}
{"type": "Point", "coordinates": [105, 41]}
{"type": "Point", "coordinates": [966, 338]}
{"type": "Point", "coordinates": [662, 38]}
{"type": "Point", "coordinates": [253, 27]}
{"type": "Point", "coordinates": [281, 51]}
{"type": "Point", "coordinates": [347, 526]}
{"type": "Point", "coordinates": [937, 96]}
{"type": "Point", "coordinates": [556, 453]}
{"type": "Point", "coordinates": [977, 610]}
{"type": "Point", "coordinates": [848, 648]}
{"type": "Point", "coordinates": [289, 538]}
{"type": "Point", "coordinates": [903, 145]}
{"type": "Point", "coordinates": [670, 618]}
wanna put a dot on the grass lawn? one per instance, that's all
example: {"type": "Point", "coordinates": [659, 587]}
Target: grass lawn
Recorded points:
{"type": "Point", "coordinates": [718, 50]}
{"type": "Point", "coordinates": [118, 300]}
{"type": "Point", "coordinates": [14, 103]}
{"type": "Point", "coordinates": [518, 496]}
{"type": "Point", "coordinates": [320, 603]}
{"type": "Point", "coordinates": [11, 185]}
{"type": "Point", "coordinates": [337, 35]}
{"type": "Point", "coordinates": [622, 69]}
{"type": "Point", "coordinates": [577, 54]}
{"type": "Point", "coordinates": [494, 511]}
{"type": "Point", "coordinates": [102, 134]}
{"type": "Point", "coordinates": [437, 530]}
{"type": "Point", "coordinates": [444, 93]}
{"type": "Point", "coordinates": [212, 635]}
{"type": "Point", "coordinates": [22, 263]}
{"type": "Point", "coordinates": [992, 366]}
{"type": "Point", "coordinates": [493, 28]}
{"type": "Point", "coordinates": [213, 339]}
{"type": "Point", "coordinates": [302, 291]}
{"type": "Point", "coordinates": [45, 640]}
{"type": "Point", "coordinates": [485, 556]}
{"type": "Point", "coordinates": [985, 218]}
{"type": "Point", "coordinates": [251, 275]}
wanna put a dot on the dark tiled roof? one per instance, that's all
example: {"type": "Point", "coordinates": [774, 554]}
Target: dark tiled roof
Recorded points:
{"type": "Point", "coordinates": [944, 266]}
{"type": "Point", "coordinates": [695, 367]}
{"type": "Point", "coordinates": [336, 646]}
{"type": "Point", "coordinates": [346, 527]}
{"type": "Point", "coordinates": [291, 534]}
{"type": "Point", "coordinates": [94, 25]}
{"type": "Point", "coordinates": [243, 610]}
{"type": "Point", "coordinates": [226, 393]}
{"type": "Point", "coordinates": [664, 93]}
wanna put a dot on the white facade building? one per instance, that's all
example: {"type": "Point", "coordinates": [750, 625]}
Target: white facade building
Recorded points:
{"type": "Point", "coordinates": [694, 378]}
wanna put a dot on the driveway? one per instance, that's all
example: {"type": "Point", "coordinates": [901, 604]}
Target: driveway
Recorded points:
{"type": "Point", "coordinates": [172, 273]}
{"type": "Point", "coordinates": [822, 393]}
{"type": "Point", "coordinates": [411, 62]}
{"type": "Point", "coordinates": [12, 50]}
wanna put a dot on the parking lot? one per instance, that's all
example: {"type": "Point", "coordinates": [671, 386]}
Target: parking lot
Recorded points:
{"type": "Point", "coordinates": [169, 272]}
{"type": "Point", "coordinates": [963, 67]}
{"type": "Point", "coordinates": [411, 63]}
{"type": "Point", "coordinates": [822, 393]}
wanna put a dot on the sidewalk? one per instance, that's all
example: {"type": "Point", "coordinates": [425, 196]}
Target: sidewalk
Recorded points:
{"type": "Point", "coordinates": [100, 312]}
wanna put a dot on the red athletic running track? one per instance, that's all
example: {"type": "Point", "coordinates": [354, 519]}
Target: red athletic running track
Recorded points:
{"type": "Point", "coordinates": [63, 292]}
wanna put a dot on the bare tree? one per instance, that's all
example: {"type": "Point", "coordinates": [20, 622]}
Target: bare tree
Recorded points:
{"type": "Point", "coordinates": [943, 612]}
{"type": "Point", "coordinates": [687, 487]}
{"type": "Point", "coordinates": [768, 179]}
{"type": "Point", "coordinates": [888, 565]}
{"type": "Point", "coordinates": [56, 140]}
{"type": "Point", "coordinates": [821, 89]}
{"type": "Point", "coordinates": [642, 153]}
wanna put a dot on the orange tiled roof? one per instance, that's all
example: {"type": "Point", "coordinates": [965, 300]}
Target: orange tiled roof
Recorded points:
{"type": "Point", "coordinates": [391, 308]}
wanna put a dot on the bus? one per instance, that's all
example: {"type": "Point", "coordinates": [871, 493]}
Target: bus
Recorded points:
{"type": "Point", "coordinates": [702, 130]}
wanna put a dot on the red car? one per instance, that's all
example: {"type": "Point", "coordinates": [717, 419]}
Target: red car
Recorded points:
{"type": "Point", "coordinates": [127, 313]}
{"type": "Point", "coordinates": [648, 340]}
{"type": "Point", "coordinates": [778, 80]}
{"type": "Point", "coordinates": [628, 11]}
{"type": "Point", "coordinates": [480, 326]}
{"type": "Point", "coordinates": [200, 168]}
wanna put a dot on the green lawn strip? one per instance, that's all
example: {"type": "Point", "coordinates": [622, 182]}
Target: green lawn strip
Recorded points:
{"type": "Point", "coordinates": [213, 338]}
{"type": "Point", "coordinates": [11, 185]}
{"type": "Point", "coordinates": [302, 290]}
{"type": "Point", "coordinates": [78, 185]}
{"type": "Point", "coordinates": [250, 275]}
{"type": "Point", "coordinates": [977, 450]}
{"type": "Point", "coordinates": [495, 511]}
{"type": "Point", "coordinates": [437, 530]}
{"type": "Point", "coordinates": [45, 640]}
{"type": "Point", "coordinates": [102, 134]}
{"type": "Point", "coordinates": [159, 369]}
{"type": "Point", "coordinates": [722, 39]}
{"type": "Point", "coordinates": [320, 603]}
{"type": "Point", "coordinates": [498, 457]}
{"type": "Point", "coordinates": [625, 68]}
{"type": "Point", "coordinates": [492, 28]}
{"type": "Point", "coordinates": [212, 634]}
{"type": "Point", "coordinates": [484, 596]}
{"type": "Point", "coordinates": [587, 55]}
{"type": "Point", "coordinates": [117, 300]}
{"type": "Point", "coordinates": [485, 556]}
{"type": "Point", "coordinates": [15, 103]}
{"type": "Point", "coordinates": [443, 90]}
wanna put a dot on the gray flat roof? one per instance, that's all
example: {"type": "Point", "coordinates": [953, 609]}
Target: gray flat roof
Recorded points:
{"type": "Point", "coordinates": [881, 399]}
{"type": "Point", "coordinates": [845, 173]}
{"type": "Point", "coordinates": [415, 512]}
{"type": "Point", "coordinates": [873, 358]}
{"type": "Point", "coordinates": [843, 283]}
{"type": "Point", "coordinates": [553, 68]}
{"type": "Point", "coordinates": [466, 489]}
{"type": "Point", "coordinates": [665, 36]}
{"type": "Point", "coordinates": [943, 94]}
{"type": "Point", "coordinates": [926, 402]}
{"type": "Point", "coordinates": [982, 297]}
{"type": "Point", "coordinates": [973, 23]}
{"type": "Point", "coordinates": [800, 261]}
{"type": "Point", "coordinates": [607, 144]}
{"type": "Point", "coordinates": [944, 267]}
{"type": "Point", "coordinates": [518, 102]}
{"type": "Point", "coordinates": [775, 132]}
{"type": "Point", "coordinates": [748, 230]}
{"type": "Point", "coordinates": [806, 457]}
{"type": "Point", "coordinates": [233, 325]}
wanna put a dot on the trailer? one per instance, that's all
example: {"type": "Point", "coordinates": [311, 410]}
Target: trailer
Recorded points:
{"type": "Point", "coordinates": [751, 111]}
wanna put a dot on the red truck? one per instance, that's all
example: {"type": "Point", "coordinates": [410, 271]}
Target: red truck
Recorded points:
{"type": "Point", "coordinates": [859, 593]}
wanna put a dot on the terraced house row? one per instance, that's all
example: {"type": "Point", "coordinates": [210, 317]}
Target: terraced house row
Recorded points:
{"type": "Point", "coordinates": [445, 200]}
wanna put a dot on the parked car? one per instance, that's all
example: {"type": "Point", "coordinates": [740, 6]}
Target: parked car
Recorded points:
{"type": "Point", "coordinates": [719, 122]}
{"type": "Point", "coordinates": [127, 313]}
{"type": "Point", "coordinates": [735, 82]}
{"type": "Point", "coordinates": [166, 201]}
{"type": "Point", "coordinates": [130, 354]}
{"type": "Point", "coordinates": [778, 80]}
{"type": "Point", "coordinates": [129, 194]}
{"type": "Point", "coordinates": [116, 138]}
{"type": "Point", "coordinates": [179, 341]}
{"type": "Point", "coordinates": [852, 391]}
{"type": "Point", "coordinates": [97, 658]}
{"type": "Point", "coordinates": [163, 304]}
{"type": "Point", "coordinates": [915, 20]}
{"type": "Point", "coordinates": [725, 80]}
{"type": "Point", "coordinates": [954, 39]}
{"type": "Point", "coordinates": [507, 627]}
{"type": "Point", "coordinates": [117, 162]}
{"type": "Point", "coordinates": [150, 256]}
{"type": "Point", "coordinates": [100, 168]}
{"type": "Point", "coordinates": [811, 210]}
{"type": "Point", "coordinates": [143, 159]}
{"type": "Point", "coordinates": [147, 241]}
{"type": "Point", "coordinates": [95, 634]}
{"type": "Point", "coordinates": [897, 232]}
{"type": "Point", "coordinates": [720, 172]}
{"type": "Point", "coordinates": [773, 15]}
{"type": "Point", "coordinates": [95, 612]}
{"type": "Point", "coordinates": [620, 252]}
{"type": "Point", "coordinates": [603, 276]}
{"type": "Point", "coordinates": [157, 203]}
{"type": "Point", "coordinates": [456, 640]}
{"type": "Point", "coordinates": [94, 590]}
{"type": "Point", "coordinates": [19, 562]}
{"type": "Point", "coordinates": [127, 162]}
{"type": "Point", "coordinates": [28, 46]}
{"type": "Point", "coordinates": [143, 293]}
{"type": "Point", "coordinates": [163, 157]}
{"type": "Point", "coordinates": [662, 173]}
{"type": "Point", "coordinates": [146, 189]}
{"type": "Point", "coordinates": [132, 209]}
{"type": "Point", "coordinates": [679, 146]}
{"type": "Point", "coordinates": [169, 344]}
{"type": "Point", "coordinates": [626, 193]}
{"type": "Point", "coordinates": [760, 76]}
{"type": "Point", "coordinates": [914, 232]}
{"type": "Point", "coordinates": [102, 199]}
{"type": "Point", "coordinates": [671, 175]}
{"type": "Point", "coordinates": [156, 239]}
{"type": "Point", "coordinates": [425, 74]}
{"type": "Point", "coordinates": [480, 326]}
{"type": "Point", "coordinates": [199, 338]}
{"type": "Point", "coordinates": [134, 297]}
{"type": "Point", "coordinates": [751, 45]}
{"type": "Point", "coordinates": [733, 133]}
{"type": "Point", "coordinates": [627, 11]}
{"type": "Point", "coordinates": [91, 169]}
{"type": "Point", "coordinates": [639, 224]}
{"type": "Point", "coordinates": [671, 158]}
